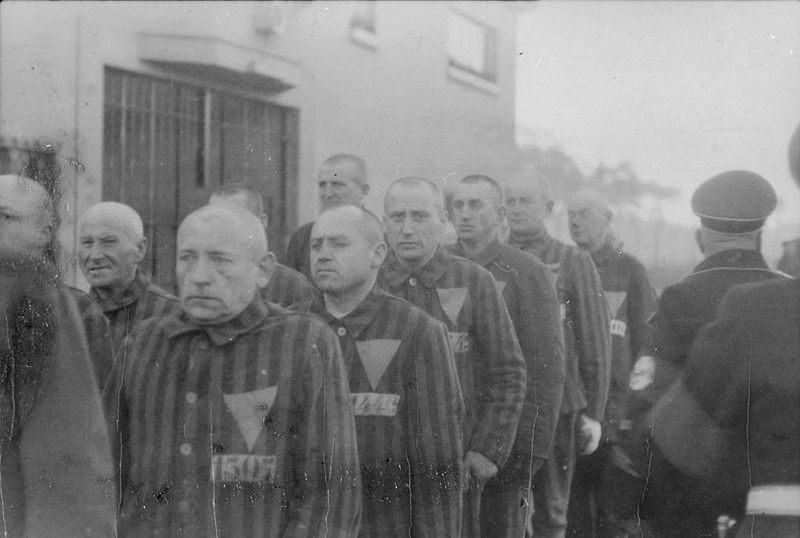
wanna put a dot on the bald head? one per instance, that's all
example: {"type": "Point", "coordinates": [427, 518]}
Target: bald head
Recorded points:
{"type": "Point", "coordinates": [589, 219]}
{"type": "Point", "coordinates": [29, 214]}
{"type": "Point", "coordinates": [226, 222]}
{"type": "Point", "coordinates": [119, 216]}
{"type": "Point", "coordinates": [363, 222]}
{"type": "Point", "coordinates": [111, 244]}
{"type": "Point", "coordinates": [222, 262]}
{"type": "Point", "coordinates": [347, 249]}
{"type": "Point", "coordinates": [413, 183]}
{"type": "Point", "coordinates": [342, 180]}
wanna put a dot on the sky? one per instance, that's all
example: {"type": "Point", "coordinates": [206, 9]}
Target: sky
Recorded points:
{"type": "Point", "coordinates": [682, 90]}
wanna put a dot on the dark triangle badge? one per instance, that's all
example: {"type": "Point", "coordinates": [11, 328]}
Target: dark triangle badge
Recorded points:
{"type": "Point", "coordinates": [615, 300]}
{"type": "Point", "coordinates": [376, 356]}
{"type": "Point", "coordinates": [249, 410]}
{"type": "Point", "coordinates": [452, 299]}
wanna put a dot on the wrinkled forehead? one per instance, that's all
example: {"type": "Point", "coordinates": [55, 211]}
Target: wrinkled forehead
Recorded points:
{"type": "Point", "coordinates": [215, 232]}
{"type": "Point", "coordinates": [413, 198]}
{"type": "Point", "coordinates": [479, 190]}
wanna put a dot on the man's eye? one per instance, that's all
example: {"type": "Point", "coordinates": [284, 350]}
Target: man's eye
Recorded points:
{"type": "Point", "coordinates": [316, 246]}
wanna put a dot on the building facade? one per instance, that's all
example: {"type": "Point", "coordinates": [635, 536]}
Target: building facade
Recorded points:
{"type": "Point", "coordinates": [157, 104]}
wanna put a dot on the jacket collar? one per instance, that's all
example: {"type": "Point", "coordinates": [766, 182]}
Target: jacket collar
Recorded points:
{"type": "Point", "coordinates": [738, 258]}
{"type": "Point", "coordinates": [529, 240]}
{"type": "Point", "coordinates": [248, 319]}
{"type": "Point", "coordinates": [359, 318]}
{"type": "Point", "coordinates": [605, 254]}
{"type": "Point", "coordinates": [483, 258]}
{"type": "Point", "coordinates": [129, 295]}
{"type": "Point", "coordinates": [396, 273]}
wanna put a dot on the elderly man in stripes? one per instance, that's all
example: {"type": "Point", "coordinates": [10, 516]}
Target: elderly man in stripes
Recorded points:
{"type": "Point", "coordinates": [285, 286]}
{"type": "Point", "coordinates": [405, 391]}
{"type": "Point", "coordinates": [587, 345]}
{"type": "Point", "coordinates": [463, 296]}
{"type": "Point", "coordinates": [601, 486]}
{"type": "Point", "coordinates": [233, 416]}
{"type": "Point", "coordinates": [111, 243]}
{"type": "Point", "coordinates": [477, 212]}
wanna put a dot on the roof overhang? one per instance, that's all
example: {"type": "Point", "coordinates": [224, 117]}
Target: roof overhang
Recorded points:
{"type": "Point", "coordinates": [213, 58]}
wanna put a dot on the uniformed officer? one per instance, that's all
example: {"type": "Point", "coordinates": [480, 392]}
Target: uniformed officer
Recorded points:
{"type": "Point", "coordinates": [599, 489]}
{"type": "Point", "coordinates": [739, 396]}
{"type": "Point", "coordinates": [732, 207]}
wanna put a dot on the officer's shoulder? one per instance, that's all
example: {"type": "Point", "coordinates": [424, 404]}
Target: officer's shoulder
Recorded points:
{"type": "Point", "coordinates": [779, 298]}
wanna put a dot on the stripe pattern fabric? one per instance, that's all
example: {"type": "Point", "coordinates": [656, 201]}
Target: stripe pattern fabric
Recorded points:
{"type": "Point", "coordinates": [241, 429]}
{"type": "Point", "coordinates": [409, 414]}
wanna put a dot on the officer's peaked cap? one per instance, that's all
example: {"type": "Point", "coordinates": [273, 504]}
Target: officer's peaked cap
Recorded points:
{"type": "Point", "coordinates": [736, 201]}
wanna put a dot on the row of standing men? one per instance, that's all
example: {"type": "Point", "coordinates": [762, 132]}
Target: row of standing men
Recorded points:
{"type": "Point", "coordinates": [230, 414]}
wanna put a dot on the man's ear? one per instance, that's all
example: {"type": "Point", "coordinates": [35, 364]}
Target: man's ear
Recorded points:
{"type": "Point", "coordinates": [364, 190]}
{"type": "Point", "coordinates": [141, 249]}
{"type": "Point", "coordinates": [266, 266]}
{"type": "Point", "coordinates": [501, 213]}
{"type": "Point", "coordinates": [698, 236]}
{"type": "Point", "coordinates": [549, 206]}
{"type": "Point", "coordinates": [377, 255]}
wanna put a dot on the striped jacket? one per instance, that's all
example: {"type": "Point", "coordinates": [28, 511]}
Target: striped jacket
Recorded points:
{"type": "Point", "coordinates": [533, 305]}
{"type": "Point", "coordinates": [238, 429]}
{"type": "Point", "coordinates": [138, 302]}
{"type": "Point", "coordinates": [408, 412]}
{"type": "Point", "coordinates": [587, 341]}
{"type": "Point", "coordinates": [286, 287]}
{"type": "Point", "coordinates": [491, 370]}
{"type": "Point", "coordinates": [631, 301]}
{"type": "Point", "coordinates": [298, 253]}
{"type": "Point", "coordinates": [98, 334]}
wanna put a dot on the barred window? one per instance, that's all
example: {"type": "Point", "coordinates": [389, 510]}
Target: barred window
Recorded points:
{"type": "Point", "coordinates": [167, 146]}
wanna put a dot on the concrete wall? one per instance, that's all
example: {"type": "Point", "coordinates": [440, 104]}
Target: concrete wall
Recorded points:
{"type": "Point", "coordinates": [394, 104]}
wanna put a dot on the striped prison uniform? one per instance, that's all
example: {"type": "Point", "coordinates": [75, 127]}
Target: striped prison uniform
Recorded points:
{"type": "Point", "coordinates": [530, 296]}
{"type": "Point", "coordinates": [238, 429]}
{"type": "Point", "coordinates": [139, 301]}
{"type": "Point", "coordinates": [98, 335]}
{"type": "Point", "coordinates": [298, 253]}
{"type": "Point", "coordinates": [408, 412]}
{"type": "Point", "coordinates": [491, 370]}
{"type": "Point", "coordinates": [601, 495]}
{"type": "Point", "coordinates": [286, 287]}
{"type": "Point", "coordinates": [462, 295]}
{"type": "Point", "coordinates": [587, 348]}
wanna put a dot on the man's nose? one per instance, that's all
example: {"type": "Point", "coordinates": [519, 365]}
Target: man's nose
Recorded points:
{"type": "Point", "coordinates": [96, 252]}
{"type": "Point", "coordinates": [408, 227]}
{"type": "Point", "coordinates": [199, 273]}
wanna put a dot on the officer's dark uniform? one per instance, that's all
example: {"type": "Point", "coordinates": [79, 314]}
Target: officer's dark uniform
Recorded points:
{"type": "Point", "coordinates": [731, 203]}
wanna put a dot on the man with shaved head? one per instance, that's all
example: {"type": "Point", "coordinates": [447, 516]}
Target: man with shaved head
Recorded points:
{"type": "Point", "coordinates": [406, 399]}
{"type": "Point", "coordinates": [463, 296]}
{"type": "Point", "coordinates": [285, 286]}
{"type": "Point", "coordinates": [599, 486]}
{"type": "Point", "coordinates": [477, 213]}
{"type": "Point", "coordinates": [56, 464]}
{"type": "Point", "coordinates": [233, 416]}
{"type": "Point", "coordinates": [586, 342]}
{"type": "Point", "coordinates": [111, 244]}
{"type": "Point", "coordinates": [342, 180]}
